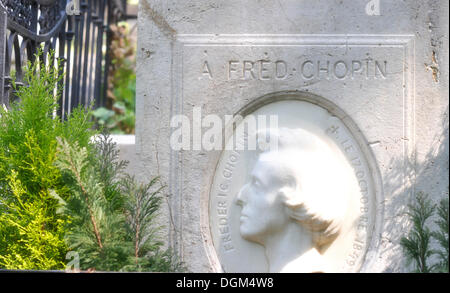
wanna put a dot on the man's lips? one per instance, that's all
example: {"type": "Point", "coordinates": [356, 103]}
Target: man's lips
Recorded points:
{"type": "Point", "coordinates": [243, 217]}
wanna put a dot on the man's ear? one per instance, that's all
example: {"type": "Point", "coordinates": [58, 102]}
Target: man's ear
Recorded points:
{"type": "Point", "coordinates": [291, 197]}
{"type": "Point", "coordinates": [291, 192]}
{"type": "Point", "coordinates": [294, 206]}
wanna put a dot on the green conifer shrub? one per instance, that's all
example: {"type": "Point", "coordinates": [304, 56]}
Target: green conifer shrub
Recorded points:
{"type": "Point", "coordinates": [31, 230]}
{"type": "Point", "coordinates": [95, 229]}
{"type": "Point", "coordinates": [416, 245]}
{"type": "Point", "coordinates": [112, 224]}
{"type": "Point", "coordinates": [141, 209]}
{"type": "Point", "coordinates": [442, 235]}
{"type": "Point", "coordinates": [60, 192]}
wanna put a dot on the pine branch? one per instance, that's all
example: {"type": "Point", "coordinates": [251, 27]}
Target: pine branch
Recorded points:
{"type": "Point", "coordinates": [141, 206]}
{"type": "Point", "coordinates": [124, 212]}
{"type": "Point", "coordinates": [442, 235]}
{"type": "Point", "coordinates": [416, 244]}
{"type": "Point", "coordinates": [75, 168]}
{"type": "Point", "coordinates": [109, 168]}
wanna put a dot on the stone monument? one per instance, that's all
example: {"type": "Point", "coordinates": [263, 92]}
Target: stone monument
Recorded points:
{"type": "Point", "coordinates": [354, 95]}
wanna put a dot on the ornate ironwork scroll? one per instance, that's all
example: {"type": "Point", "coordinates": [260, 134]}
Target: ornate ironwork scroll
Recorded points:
{"type": "Point", "coordinates": [80, 42]}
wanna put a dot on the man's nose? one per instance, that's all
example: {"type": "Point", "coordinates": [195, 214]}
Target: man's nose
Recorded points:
{"type": "Point", "coordinates": [240, 198]}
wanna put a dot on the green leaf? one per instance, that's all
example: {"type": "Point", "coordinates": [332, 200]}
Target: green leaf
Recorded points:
{"type": "Point", "coordinates": [103, 113]}
{"type": "Point", "coordinates": [119, 106]}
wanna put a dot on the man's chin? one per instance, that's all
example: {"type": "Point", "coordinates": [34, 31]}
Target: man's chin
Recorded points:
{"type": "Point", "coordinates": [249, 236]}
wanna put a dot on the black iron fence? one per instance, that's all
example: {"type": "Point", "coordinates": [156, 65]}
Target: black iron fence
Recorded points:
{"type": "Point", "coordinates": [80, 42]}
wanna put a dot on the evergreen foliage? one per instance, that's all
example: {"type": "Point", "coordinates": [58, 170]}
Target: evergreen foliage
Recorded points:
{"type": "Point", "coordinates": [31, 232]}
{"type": "Point", "coordinates": [110, 170]}
{"type": "Point", "coordinates": [60, 192]}
{"type": "Point", "coordinates": [95, 228]}
{"type": "Point", "coordinates": [112, 217]}
{"type": "Point", "coordinates": [141, 207]}
{"type": "Point", "coordinates": [442, 235]}
{"type": "Point", "coordinates": [30, 237]}
{"type": "Point", "coordinates": [417, 243]}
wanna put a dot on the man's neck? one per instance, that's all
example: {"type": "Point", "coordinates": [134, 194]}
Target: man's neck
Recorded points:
{"type": "Point", "coordinates": [286, 246]}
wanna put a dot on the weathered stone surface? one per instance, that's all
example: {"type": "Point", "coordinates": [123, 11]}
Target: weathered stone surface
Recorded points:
{"type": "Point", "coordinates": [387, 73]}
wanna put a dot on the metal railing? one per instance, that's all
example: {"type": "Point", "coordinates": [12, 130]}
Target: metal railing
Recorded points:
{"type": "Point", "coordinates": [79, 41]}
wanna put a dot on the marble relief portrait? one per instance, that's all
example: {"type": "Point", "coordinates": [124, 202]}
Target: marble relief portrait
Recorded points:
{"type": "Point", "coordinates": [305, 206]}
{"type": "Point", "coordinates": [294, 203]}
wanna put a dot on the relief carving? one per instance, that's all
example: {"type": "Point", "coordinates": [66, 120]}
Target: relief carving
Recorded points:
{"type": "Point", "coordinates": [294, 203]}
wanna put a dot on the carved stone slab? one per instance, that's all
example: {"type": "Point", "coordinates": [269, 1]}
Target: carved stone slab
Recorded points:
{"type": "Point", "coordinates": [369, 81]}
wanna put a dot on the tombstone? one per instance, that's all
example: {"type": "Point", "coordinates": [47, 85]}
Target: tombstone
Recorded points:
{"type": "Point", "coordinates": [358, 95]}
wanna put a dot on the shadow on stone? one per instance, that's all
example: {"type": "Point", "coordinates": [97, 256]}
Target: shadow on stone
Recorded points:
{"type": "Point", "coordinates": [425, 176]}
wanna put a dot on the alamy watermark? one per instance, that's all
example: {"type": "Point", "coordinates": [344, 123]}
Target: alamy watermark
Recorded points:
{"type": "Point", "coordinates": [373, 7]}
{"type": "Point", "coordinates": [230, 132]}
{"type": "Point", "coordinates": [73, 7]}
{"type": "Point", "coordinates": [73, 264]}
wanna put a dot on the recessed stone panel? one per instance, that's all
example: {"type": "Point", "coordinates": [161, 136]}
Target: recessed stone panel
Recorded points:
{"type": "Point", "coordinates": [366, 84]}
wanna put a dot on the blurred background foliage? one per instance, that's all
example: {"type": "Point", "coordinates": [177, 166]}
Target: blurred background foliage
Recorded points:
{"type": "Point", "coordinates": [118, 115]}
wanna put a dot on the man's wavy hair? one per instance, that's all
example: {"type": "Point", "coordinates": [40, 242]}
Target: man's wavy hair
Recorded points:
{"type": "Point", "coordinates": [317, 199]}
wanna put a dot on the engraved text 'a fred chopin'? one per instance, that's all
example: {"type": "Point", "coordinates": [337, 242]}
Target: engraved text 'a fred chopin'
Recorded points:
{"type": "Point", "coordinates": [307, 69]}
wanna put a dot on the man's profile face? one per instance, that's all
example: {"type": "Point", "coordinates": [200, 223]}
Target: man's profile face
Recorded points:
{"type": "Point", "coordinates": [263, 209]}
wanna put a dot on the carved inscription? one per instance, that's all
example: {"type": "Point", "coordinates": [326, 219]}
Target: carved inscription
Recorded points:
{"type": "Point", "coordinates": [224, 228]}
{"type": "Point", "coordinates": [222, 197]}
{"type": "Point", "coordinates": [362, 225]}
{"type": "Point", "coordinates": [269, 70]}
